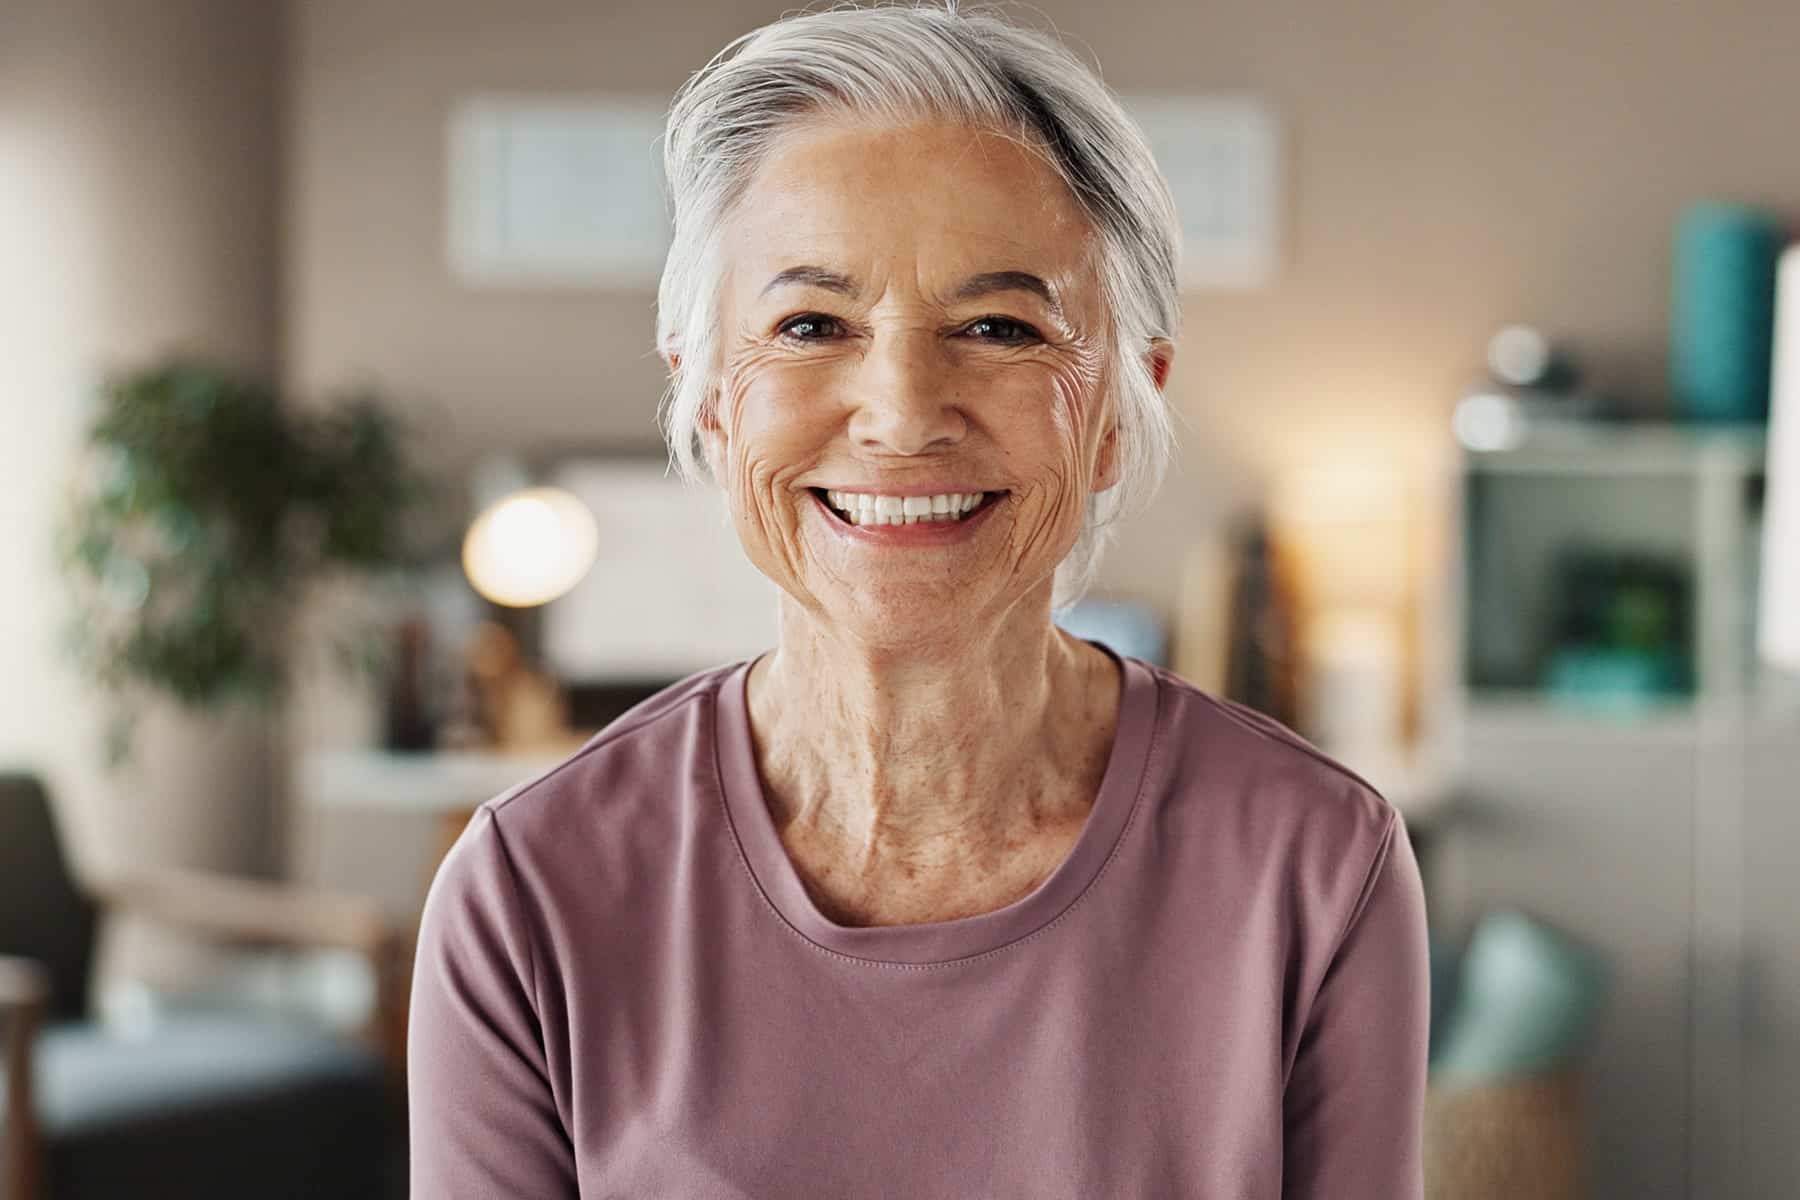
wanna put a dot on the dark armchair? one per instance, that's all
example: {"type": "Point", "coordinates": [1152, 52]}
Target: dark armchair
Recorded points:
{"type": "Point", "coordinates": [208, 1104]}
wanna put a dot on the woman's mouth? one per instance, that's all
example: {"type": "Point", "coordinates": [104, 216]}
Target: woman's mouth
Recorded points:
{"type": "Point", "coordinates": [872, 508]}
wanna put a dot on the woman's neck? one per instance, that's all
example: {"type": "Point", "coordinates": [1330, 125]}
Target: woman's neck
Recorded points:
{"type": "Point", "coordinates": [944, 758]}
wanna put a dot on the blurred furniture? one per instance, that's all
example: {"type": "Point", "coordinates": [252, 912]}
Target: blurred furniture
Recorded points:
{"type": "Point", "coordinates": [441, 789]}
{"type": "Point", "coordinates": [1778, 631]}
{"type": "Point", "coordinates": [1687, 496]}
{"type": "Point", "coordinates": [201, 1104]}
{"type": "Point", "coordinates": [1507, 1140]}
{"type": "Point", "coordinates": [672, 592]}
{"type": "Point", "coordinates": [1513, 1014]}
{"type": "Point", "coordinates": [1660, 833]}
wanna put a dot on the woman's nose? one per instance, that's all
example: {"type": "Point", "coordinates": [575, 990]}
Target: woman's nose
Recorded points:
{"type": "Point", "coordinates": [904, 399]}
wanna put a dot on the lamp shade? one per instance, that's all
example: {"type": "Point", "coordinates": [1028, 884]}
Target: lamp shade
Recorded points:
{"type": "Point", "coordinates": [530, 547]}
{"type": "Point", "coordinates": [1778, 607]}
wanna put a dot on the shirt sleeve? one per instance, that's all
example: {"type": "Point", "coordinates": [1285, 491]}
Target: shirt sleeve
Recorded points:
{"type": "Point", "coordinates": [1355, 1099]}
{"type": "Point", "coordinates": [482, 1120]}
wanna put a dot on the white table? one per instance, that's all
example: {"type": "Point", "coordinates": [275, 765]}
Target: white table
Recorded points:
{"type": "Point", "coordinates": [445, 787]}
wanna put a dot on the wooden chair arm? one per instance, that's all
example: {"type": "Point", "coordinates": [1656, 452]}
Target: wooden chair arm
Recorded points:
{"type": "Point", "coordinates": [24, 985]}
{"type": "Point", "coordinates": [24, 994]}
{"type": "Point", "coordinates": [235, 909]}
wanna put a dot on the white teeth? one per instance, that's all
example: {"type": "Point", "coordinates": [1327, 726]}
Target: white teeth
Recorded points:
{"type": "Point", "coordinates": [862, 508]}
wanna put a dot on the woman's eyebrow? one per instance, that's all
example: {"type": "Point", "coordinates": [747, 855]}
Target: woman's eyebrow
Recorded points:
{"type": "Point", "coordinates": [817, 277]}
{"type": "Point", "coordinates": [984, 284]}
{"type": "Point", "coordinates": [990, 282]}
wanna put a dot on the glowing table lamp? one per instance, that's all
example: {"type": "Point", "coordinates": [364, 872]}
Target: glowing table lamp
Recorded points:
{"type": "Point", "coordinates": [530, 547]}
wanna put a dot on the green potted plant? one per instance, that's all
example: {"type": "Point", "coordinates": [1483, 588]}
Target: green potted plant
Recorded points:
{"type": "Point", "coordinates": [203, 508]}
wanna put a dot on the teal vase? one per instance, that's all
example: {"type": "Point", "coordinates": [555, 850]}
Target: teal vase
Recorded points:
{"type": "Point", "coordinates": [1722, 319]}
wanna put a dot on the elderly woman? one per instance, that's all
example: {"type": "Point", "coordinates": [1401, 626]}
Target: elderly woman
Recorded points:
{"type": "Point", "coordinates": [932, 899]}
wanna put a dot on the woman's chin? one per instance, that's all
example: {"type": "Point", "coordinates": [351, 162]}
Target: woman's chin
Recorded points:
{"type": "Point", "coordinates": [900, 614]}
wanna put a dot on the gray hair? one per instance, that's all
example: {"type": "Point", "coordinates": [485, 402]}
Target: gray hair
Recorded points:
{"type": "Point", "coordinates": [902, 62]}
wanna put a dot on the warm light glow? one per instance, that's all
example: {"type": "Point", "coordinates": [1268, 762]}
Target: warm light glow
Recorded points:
{"type": "Point", "coordinates": [530, 547]}
{"type": "Point", "coordinates": [1347, 528]}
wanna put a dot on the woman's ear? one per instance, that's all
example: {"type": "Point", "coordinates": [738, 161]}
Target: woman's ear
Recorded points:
{"type": "Point", "coordinates": [1106, 460]}
{"type": "Point", "coordinates": [1159, 358]}
{"type": "Point", "coordinates": [706, 424]}
{"type": "Point", "coordinates": [712, 435]}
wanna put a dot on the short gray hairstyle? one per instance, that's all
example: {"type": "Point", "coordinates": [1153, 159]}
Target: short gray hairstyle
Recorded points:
{"type": "Point", "coordinates": [903, 62]}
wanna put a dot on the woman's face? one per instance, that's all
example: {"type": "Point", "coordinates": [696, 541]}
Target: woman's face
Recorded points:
{"type": "Point", "coordinates": [909, 312]}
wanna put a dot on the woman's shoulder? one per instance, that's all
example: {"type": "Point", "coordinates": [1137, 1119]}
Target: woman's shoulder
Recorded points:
{"type": "Point", "coordinates": [1264, 811]}
{"type": "Point", "coordinates": [1218, 751]}
{"type": "Point", "coordinates": [634, 761]}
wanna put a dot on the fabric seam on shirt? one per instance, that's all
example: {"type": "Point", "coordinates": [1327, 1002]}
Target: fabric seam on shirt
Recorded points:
{"type": "Point", "coordinates": [1274, 731]}
{"type": "Point", "coordinates": [519, 900]}
{"type": "Point", "coordinates": [1285, 737]}
{"type": "Point", "coordinates": [1378, 861]}
{"type": "Point", "coordinates": [534, 922]}
{"type": "Point", "coordinates": [1144, 775]}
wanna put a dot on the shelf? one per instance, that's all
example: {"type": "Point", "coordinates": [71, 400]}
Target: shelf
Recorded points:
{"type": "Point", "coordinates": [1612, 448]}
{"type": "Point", "coordinates": [1773, 707]}
{"type": "Point", "coordinates": [1554, 530]}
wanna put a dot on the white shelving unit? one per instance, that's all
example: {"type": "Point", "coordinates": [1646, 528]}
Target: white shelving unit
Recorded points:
{"type": "Point", "coordinates": [1681, 494]}
{"type": "Point", "coordinates": [1628, 825]}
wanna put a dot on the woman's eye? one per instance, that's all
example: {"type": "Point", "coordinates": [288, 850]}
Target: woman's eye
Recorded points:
{"type": "Point", "coordinates": [809, 327]}
{"type": "Point", "coordinates": [1002, 329]}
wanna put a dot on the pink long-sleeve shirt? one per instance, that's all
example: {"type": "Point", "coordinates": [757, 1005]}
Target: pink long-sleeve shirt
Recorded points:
{"type": "Point", "coordinates": [622, 988]}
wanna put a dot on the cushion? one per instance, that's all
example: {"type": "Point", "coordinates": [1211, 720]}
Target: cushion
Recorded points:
{"type": "Point", "coordinates": [205, 1104]}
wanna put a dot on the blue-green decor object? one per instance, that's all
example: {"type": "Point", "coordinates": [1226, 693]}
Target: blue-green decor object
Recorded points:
{"type": "Point", "coordinates": [1722, 319]}
{"type": "Point", "coordinates": [1130, 627]}
{"type": "Point", "coordinates": [1527, 1003]}
{"type": "Point", "coordinates": [1446, 962]}
{"type": "Point", "coordinates": [1615, 679]}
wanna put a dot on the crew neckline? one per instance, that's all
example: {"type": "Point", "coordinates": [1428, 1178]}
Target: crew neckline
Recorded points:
{"type": "Point", "coordinates": [935, 941]}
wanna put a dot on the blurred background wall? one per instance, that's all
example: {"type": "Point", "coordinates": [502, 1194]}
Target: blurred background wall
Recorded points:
{"type": "Point", "coordinates": [139, 147]}
{"type": "Point", "coordinates": [1453, 166]}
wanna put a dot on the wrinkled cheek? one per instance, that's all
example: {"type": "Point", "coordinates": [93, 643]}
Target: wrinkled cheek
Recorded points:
{"type": "Point", "coordinates": [1047, 512]}
{"type": "Point", "coordinates": [760, 473]}
{"type": "Point", "coordinates": [1067, 411]}
{"type": "Point", "coordinates": [1054, 504]}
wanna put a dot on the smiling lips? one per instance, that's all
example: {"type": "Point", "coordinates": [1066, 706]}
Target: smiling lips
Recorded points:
{"type": "Point", "coordinates": [868, 508]}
